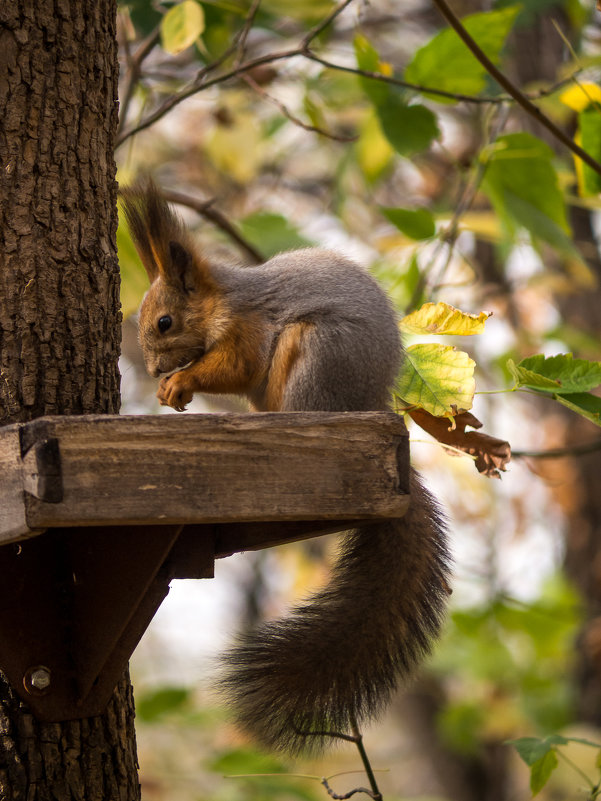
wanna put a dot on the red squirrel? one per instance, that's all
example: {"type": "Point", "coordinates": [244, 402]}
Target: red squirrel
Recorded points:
{"type": "Point", "coordinates": [306, 331]}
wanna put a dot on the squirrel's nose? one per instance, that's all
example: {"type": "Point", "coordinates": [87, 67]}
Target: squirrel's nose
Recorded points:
{"type": "Point", "coordinates": [153, 368]}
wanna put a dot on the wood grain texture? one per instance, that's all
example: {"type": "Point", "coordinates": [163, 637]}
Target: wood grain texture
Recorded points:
{"type": "Point", "coordinates": [13, 524]}
{"type": "Point", "coordinates": [222, 468]}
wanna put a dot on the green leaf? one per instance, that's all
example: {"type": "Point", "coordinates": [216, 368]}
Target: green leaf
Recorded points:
{"type": "Point", "coordinates": [374, 151]}
{"type": "Point", "coordinates": [583, 403]}
{"type": "Point", "coordinates": [507, 159]}
{"type": "Point", "coordinates": [522, 185]}
{"type": "Point", "coordinates": [561, 374]}
{"type": "Point", "coordinates": [369, 60]}
{"type": "Point", "coordinates": [414, 223]}
{"type": "Point", "coordinates": [528, 378]}
{"type": "Point", "coordinates": [447, 63]}
{"type": "Point", "coordinates": [153, 706]}
{"type": "Point", "coordinates": [533, 749]}
{"type": "Point", "coordinates": [272, 233]}
{"type": "Point", "coordinates": [181, 26]}
{"type": "Point", "coordinates": [409, 129]}
{"type": "Point", "coordinates": [441, 318]}
{"type": "Point", "coordinates": [530, 749]}
{"type": "Point", "coordinates": [436, 378]}
{"type": "Point", "coordinates": [589, 124]}
{"type": "Point", "coordinates": [539, 224]}
{"type": "Point", "coordinates": [541, 771]}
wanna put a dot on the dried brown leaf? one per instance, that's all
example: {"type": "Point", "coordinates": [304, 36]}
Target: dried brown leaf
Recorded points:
{"type": "Point", "coordinates": [491, 454]}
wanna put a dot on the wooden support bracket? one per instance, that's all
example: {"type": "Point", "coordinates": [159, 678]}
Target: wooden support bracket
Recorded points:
{"type": "Point", "coordinates": [99, 513]}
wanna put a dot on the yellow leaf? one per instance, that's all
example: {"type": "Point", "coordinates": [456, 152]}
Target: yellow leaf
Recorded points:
{"type": "Point", "coordinates": [134, 281]}
{"type": "Point", "coordinates": [181, 26]}
{"type": "Point", "coordinates": [374, 152]}
{"type": "Point", "coordinates": [581, 96]}
{"type": "Point", "coordinates": [437, 378]}
{"type": "Point", "coordinates": [440, 318]}
{"type": "Point", "coordinates": [237, 149]}
{"type": "Point", "coordinates": [485, 224]}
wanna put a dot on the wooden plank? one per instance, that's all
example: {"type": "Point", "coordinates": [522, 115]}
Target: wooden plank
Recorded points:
{"type": "Point", "coordinates": [13, 523]}
{"type": "Point", "coordinates": [223, 468]}
{"type": "Point", "coordinates": [232, 538]}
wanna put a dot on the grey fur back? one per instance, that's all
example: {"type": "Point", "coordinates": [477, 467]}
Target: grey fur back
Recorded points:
{"type": "Point", "coordinates": [354, 350]}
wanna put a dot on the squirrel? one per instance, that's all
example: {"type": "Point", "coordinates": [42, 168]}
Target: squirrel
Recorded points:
{"type": "Point", "coordinates": [306, 331]}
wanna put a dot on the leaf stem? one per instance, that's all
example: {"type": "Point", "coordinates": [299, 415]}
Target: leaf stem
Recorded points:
{"type": "Point", "coordinates": [575, 767]}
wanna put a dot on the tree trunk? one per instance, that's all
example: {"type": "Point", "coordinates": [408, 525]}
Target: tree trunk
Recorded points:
{"type": "Point", "coordinates": [60, 320]}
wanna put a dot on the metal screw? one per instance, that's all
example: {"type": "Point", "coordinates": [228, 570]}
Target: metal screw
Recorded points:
{"type": "Point", "coordinates": [37, 680]}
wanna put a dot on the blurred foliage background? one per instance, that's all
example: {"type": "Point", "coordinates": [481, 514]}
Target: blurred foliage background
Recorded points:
{"type": "Point", "coordinates": [261, 123]}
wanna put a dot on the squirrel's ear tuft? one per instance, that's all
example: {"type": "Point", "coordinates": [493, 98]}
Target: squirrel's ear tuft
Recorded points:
{"type": "Point", "coordinates": [157, 232]}
{"type": "Point", "coordinates": [161, 239]}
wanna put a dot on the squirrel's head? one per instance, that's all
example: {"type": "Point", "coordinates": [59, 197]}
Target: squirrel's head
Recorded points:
{"type": "Point", "coordinates": [180, 313]}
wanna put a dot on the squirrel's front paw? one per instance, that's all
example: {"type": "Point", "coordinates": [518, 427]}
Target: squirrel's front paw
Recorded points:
{"type": "Point", "coordinates": [175, 391]}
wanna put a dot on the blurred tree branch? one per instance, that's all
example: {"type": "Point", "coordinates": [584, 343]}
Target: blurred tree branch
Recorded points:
{"type": "Point", "coordinates": [206, 209]}
{"type": "Point", "coordinates": [559, 453]}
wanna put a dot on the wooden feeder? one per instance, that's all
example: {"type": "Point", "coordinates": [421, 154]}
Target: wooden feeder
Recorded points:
{"type": "Point", "coordinates": [99, 513]}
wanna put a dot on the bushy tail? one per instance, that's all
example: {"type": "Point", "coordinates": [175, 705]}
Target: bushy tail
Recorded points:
{"type": "Point", "coordinates": [338, 657]}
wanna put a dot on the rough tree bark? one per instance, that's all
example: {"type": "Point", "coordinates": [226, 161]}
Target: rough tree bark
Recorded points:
{"type": "Point", "coordinates": [60, 320]}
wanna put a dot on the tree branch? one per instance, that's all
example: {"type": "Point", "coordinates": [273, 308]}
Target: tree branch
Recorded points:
{"type": "Point", "coordinates": [348, 795]}
{"type": "Point", "coordinates": [430, 90]}
{"type": "Point", "coordinates": [320, 27]}
{"type": "Point", "coordinates": [559, 453]}
{"type": "Point", "coordinates": [206, 210]}
{"type": "Point", "coordinates": [134, 72]}
{"type": "Point", "coordinates": [290, 116]}
{"type": "Point", "coordinates": [509, 87]}
{"type": "Point", "coordinates": [375, 790]}
{"type": "Point", "coordinates": [243, 36]}
{"type": "Point", "coordinates": [202, 81]}
{"type": "Point", "coordinates": [198, 85]}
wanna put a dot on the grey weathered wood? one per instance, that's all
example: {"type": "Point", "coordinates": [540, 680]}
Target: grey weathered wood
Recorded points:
{"type": "Point", "coordinates": [13, 522]}
{"type": "Point", "coordinates": [223, 468]}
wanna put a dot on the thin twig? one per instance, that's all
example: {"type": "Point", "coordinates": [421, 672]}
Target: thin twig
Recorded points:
{"type": "Point", "coordinates": [198, 85]}
{"type": "Point", "coordinates": [467, 198]}
{"type": "Point", "coordinates": [390, 79]}
{"type": "Point", "coordinates": [509, 87]}
{"type": "Point", "coordinates": [375, 794]}
{"type": "Point", "coordinates": [290, 116]}
{"type": "Point", "coordinates": [243, 36]}
{"type": "Point", "coordinates": [560, 453]}
{"type": "Point", "coordinates": [133, 74]}
{"type": "Point", "coordinates": [448, 237]}
{"type": "Point", "coordinates": [335, 735]}
{"type": "Point", "coordinates": [321, 26]}
{"type": "Point", "coordinates": [350, 793]}
{"type": "Point", "coordinates": [206, 209]}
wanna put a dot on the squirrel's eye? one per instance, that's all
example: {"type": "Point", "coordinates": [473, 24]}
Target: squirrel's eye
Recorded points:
{"type": "Point", "coordinates": [164, 323]}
